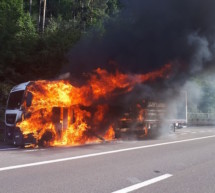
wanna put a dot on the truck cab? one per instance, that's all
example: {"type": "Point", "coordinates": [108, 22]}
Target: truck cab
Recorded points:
{"type": "Point", "coordinates": [18, 104]}
{"type": "Point", "coordinates": [15, 112]}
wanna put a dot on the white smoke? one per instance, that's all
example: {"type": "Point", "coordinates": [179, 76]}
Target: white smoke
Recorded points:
{"type": "Point", "coordinates": [202, 54]}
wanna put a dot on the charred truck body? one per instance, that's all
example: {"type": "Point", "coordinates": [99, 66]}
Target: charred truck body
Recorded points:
{"type": "Point", "coordinates": [148, 117]}
{"type": "Point", "coordinates": [142, 119]}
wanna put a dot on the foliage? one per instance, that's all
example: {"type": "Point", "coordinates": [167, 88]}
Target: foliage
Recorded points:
{"type": "Point", "coordinates": [27, 52]}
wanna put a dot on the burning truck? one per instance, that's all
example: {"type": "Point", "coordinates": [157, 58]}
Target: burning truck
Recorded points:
{"type": "Point", "coordinates": [37, 115]}
{"type": "Point", "coordinates": [58, 113]}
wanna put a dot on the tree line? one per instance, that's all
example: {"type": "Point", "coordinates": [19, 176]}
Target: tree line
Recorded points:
{"type": "Point", "coordinates": [36, 35]}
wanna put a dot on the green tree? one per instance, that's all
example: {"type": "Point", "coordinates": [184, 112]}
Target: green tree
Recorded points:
{"type": "Point", "coordinates": [17, 34]}
{"type": "Point", "coordinates": [26, 53]}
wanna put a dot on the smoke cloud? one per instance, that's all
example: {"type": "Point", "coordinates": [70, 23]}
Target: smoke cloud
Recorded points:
{"type": "Point", "coordinates": [148, 34]}
{"type": "Point", "coordinates": [202, 54]}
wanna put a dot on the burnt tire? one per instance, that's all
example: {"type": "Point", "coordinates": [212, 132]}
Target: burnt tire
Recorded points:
{"type": "Point", "coordinates": [47, 137]}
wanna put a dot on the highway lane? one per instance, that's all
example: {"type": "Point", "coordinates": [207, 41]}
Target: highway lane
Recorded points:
{"type": "Point", "coordinates": [190, 163]}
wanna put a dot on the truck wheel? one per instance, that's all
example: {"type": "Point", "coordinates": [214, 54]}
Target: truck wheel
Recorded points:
{"type": "Point", "coordinates": [47, 137]}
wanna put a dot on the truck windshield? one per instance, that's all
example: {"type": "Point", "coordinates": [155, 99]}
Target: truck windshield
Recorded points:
{"type": "Point", "coordinates": [15, 100]}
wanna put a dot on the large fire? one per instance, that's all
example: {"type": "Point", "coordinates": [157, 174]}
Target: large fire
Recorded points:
{"type": "Point", "coordinates": [69, 115]}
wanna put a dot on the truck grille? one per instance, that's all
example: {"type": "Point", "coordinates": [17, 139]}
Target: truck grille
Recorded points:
{"type": "Point", "coordinates": [10, 118]}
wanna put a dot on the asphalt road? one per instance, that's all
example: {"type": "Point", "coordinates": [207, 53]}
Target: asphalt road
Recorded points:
{"type": "Point", "coordinates": [174, 163]}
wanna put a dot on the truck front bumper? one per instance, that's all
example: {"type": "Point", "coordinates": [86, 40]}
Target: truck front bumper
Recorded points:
{"type": "Point", "coordinates": [14, 136]}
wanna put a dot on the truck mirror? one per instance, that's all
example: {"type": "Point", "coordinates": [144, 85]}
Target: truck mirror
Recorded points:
{"type": "Point", "coordinates": [29, 99]}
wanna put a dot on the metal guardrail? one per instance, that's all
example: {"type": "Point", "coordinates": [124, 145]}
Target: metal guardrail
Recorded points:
{"type": "Point", "coordinates": [201, 116]}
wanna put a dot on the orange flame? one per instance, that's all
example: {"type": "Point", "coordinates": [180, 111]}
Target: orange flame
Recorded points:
{"type": "Point", "coordinates": [110, 134]}
{"type": "Point", "coordinates": [60, 109]}
{"type": "Point", "coordinates": [141, 113]}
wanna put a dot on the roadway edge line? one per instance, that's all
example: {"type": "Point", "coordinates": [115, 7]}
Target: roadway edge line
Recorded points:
{"type": "Point", "coordinates": [100, 153]}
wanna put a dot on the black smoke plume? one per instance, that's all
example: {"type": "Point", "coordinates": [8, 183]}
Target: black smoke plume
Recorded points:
{"type": "Point", "coordinates": [148, 34]}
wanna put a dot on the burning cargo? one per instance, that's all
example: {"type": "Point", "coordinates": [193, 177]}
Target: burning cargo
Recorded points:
{"type": "Point", "coordinates": [58, 113]}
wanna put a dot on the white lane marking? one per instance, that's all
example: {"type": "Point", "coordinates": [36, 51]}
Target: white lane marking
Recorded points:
{"type": "Point", "coordinates": [30, 150]}
{"type": "Point", "coordinates": [99, 154]}
{"type": "Point", "coordinates": [12, 148]}
{"type": "Point", "coordinates": [143, 184]}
